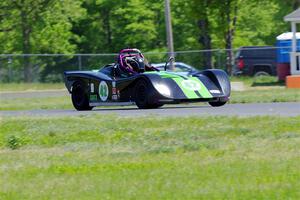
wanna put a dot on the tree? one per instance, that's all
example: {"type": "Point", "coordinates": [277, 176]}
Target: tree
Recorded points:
{"type": "Point", "coordinates": [135, 25]}
{"type": "Point", "coordinates": [260, 21]}
{"type": "Point", "coordinates": [201, 10]}
{"type": "Point", "coordinates": [97, 28]}
{"type": "Point", "coordinates": [229, 14]}
{"type": "Point", "coordinates": [39, 26]}
{"type": "Point", "coordinates": [106, 26]}
{"type": "Point", "coordinates": [296, 4]}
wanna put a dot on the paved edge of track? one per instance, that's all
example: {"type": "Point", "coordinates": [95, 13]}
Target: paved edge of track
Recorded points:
{"type": "Point", "coordinates": [253, 109]}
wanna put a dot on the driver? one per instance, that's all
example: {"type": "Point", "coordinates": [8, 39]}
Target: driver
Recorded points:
{"type": "Point", "coordinates": [132, 61]}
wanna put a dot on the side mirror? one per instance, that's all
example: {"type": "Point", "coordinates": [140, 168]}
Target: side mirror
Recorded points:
{"type": "Point", "coordinates": [171, 59]}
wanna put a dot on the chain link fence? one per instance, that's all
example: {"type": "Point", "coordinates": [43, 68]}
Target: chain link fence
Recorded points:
{"type": "Point", "coordinates": [50, 67]}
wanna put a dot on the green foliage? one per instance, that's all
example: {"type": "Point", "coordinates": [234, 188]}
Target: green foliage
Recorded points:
{"type": "Point", "coordinates": [13, 142]}
{"type": "Point", "coordinates": [257, 24]}
{"type": "Point", "coordinates": [106, 26]}
{"type": "Point", "coordinates": [48, 23]}
{"type": "Point", "coordinates": [38, 26]}
{"type": "Point", "coordinates": [138, 25]}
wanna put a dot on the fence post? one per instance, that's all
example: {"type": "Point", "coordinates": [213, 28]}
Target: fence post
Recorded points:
{"type": "Point", "coordinates": [79, 62]}
{"type": "Point", "coordinates": [219, 58]}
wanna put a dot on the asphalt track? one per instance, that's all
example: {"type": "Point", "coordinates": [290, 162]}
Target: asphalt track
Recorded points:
{"type": "Point", "coordinates": [243, 110]}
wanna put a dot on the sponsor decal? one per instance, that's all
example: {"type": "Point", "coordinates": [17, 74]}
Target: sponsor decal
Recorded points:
{"type": "Point", "coordinates": [114, 90]}
{"type": "Point", "coordinates": [191, 85]}
{"type": "Point", "coordinates": [93, 97]}
{"type": "Point", "coordinates": [215, 91]}
{"type": "Point", "coordinates": [114, 97]}
{"type": "Point", "coordinates": [103, 91]}
{"type": "Point", "coordinates": [92, 88]}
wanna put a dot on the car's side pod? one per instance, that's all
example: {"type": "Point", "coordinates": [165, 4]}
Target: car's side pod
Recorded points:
{"type": "Point", "coordinates": [220, 78]}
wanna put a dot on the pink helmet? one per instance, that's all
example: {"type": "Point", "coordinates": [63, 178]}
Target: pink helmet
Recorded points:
{"type": "Point", "coordinates": [131, 61]}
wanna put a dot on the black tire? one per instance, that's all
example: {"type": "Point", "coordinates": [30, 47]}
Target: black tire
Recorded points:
{"type": "Point", "coordinates": [261, 73]}
{"type": "Point", "coordinates": [142, 91]}
{"type": "Point", "coordinates": [80, 98]}
{"type": "Point", "coordinates": [153, 106]}
{"type": "Point", "coordinates": [217, 103]}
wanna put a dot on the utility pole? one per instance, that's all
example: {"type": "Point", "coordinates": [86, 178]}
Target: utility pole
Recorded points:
{"type": "Point", "coordinates": [169, 31]}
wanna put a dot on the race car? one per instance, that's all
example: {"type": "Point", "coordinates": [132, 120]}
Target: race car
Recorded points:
{"type": "Point", "coordinates": [132, 81]}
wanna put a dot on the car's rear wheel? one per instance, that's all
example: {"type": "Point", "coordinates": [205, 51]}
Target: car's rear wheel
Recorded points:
{"type": "Point", "coordinates": [80, 98]}
{"type": "Point", "coordinates": [142, 91]}
{"type": "Point", "coordinates": [217, 103]}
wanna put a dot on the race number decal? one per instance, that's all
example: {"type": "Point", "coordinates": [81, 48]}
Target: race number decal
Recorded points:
{"type": "Point", "coordinates": [103, 91]}
{"type": "Point", "coordinates": [191, 85]}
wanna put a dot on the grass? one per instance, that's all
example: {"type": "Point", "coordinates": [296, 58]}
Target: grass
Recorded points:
{"type": "Point", "coordinates": [36, 103]}
{"type": "Point", "coordinates": [247, 80]}
{"type": "Point", "coordinates": [255, 82]}
{"type": "Point", "coordinates": [108, 157]}
{"type": "Point", "coordinates": [4, 87]}
{"type": "Point", "coordinates": [266, 95]}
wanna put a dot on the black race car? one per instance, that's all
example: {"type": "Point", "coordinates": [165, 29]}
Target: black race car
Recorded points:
{"type": "Point", "coordinates": [145, 86]}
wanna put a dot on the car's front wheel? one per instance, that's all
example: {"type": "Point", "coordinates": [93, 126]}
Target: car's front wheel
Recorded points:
{"type": "Point", "coordinates": [217, 103]}
{"type": "Point", "coordinates": [80, 98]}
{"type": "Point", "coordinates": [142, 91]}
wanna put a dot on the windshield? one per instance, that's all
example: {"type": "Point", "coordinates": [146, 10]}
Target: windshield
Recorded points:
{"type": "Point", "coordinates": [178, 67]}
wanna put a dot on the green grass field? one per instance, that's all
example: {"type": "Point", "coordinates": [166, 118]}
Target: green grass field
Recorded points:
{"type": "Point", "coordinates": [107, 157]}
{"type": "Point", "coordinates": [266, 95]}
{"type": "Point", "coordinates": [253, 82]}
{"type": "Point", "coordinates": [36, 103]}
{"type": "Point", "coordinates": [30, 86]}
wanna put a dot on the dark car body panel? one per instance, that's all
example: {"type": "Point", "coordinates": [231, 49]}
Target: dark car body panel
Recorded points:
{"type": "Point", "coordinates": [166, 87]}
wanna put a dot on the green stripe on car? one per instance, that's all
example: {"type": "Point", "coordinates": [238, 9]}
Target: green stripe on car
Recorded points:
{"type": "Point", "coordinates": [164, 74]}
{"type": "Point", "coordinates": [203, 90]}
{"type": "Point", "coordinates": [192, 87]}
{"type": "Point", "coordinates": [188, 93]}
